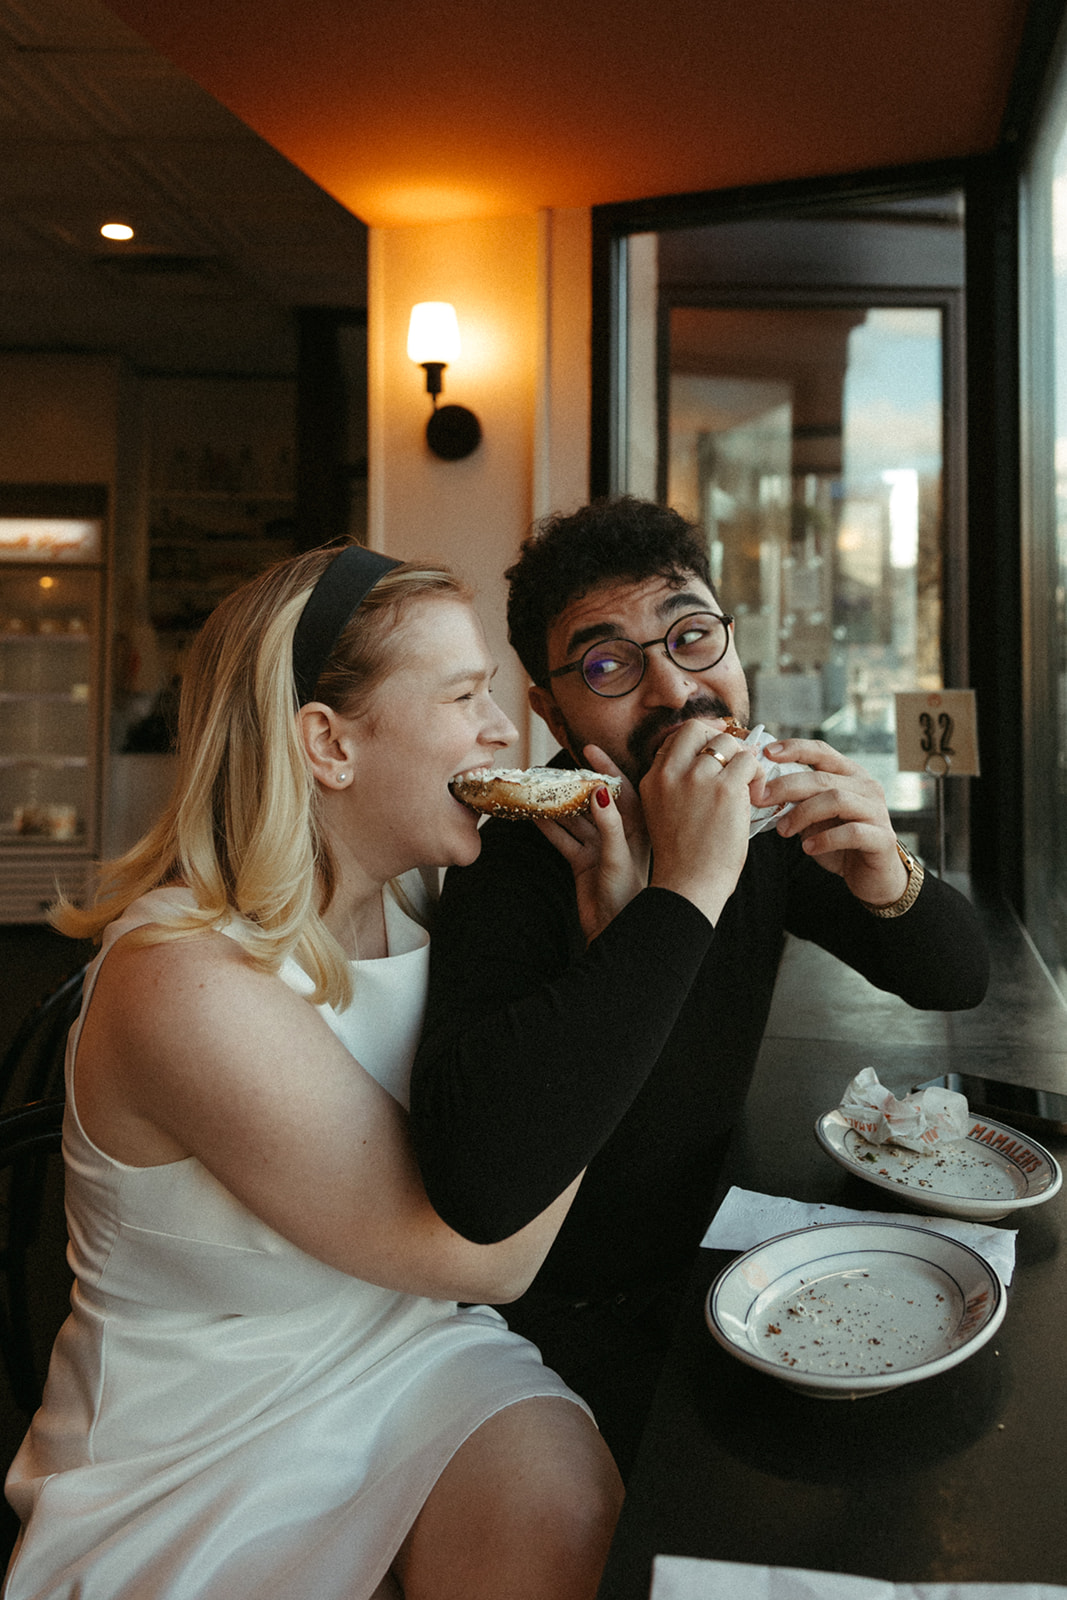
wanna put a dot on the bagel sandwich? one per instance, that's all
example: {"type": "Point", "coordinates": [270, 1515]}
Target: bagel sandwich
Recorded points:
{"type": "Point", "coordinates": [524, 794]}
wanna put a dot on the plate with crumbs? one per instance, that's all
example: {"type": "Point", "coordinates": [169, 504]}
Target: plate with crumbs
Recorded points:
{"type": "Point", "coordinates": [846, 1310]}
{"type": "Point", "coordinates": [991, 1173]}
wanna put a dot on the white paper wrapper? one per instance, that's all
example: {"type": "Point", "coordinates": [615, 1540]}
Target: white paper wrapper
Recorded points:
{"type": "Point", "coordinates": [746, 1218]}
{"type": "Point", "coordinates": [757, 741]}
{"type": "Point", "coordinates": [921, 1121]}
{"type": "Point", "coordinates": [687, 1578]}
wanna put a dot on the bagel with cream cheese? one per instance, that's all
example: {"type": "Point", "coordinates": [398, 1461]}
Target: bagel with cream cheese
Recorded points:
{"type": "Point", "coordinates": [521, 794]}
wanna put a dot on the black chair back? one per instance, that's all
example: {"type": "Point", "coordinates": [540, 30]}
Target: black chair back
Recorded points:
{"type": "Point", "coordinates": [32, 1065]}
{"type": "Point", "coordinates": [34, 1280]}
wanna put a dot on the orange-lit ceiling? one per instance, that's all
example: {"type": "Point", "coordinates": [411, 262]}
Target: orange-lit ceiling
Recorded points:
{"type": "Point", "coordinates": [417, 111]}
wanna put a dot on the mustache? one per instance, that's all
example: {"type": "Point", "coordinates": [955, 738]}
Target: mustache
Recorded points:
{"type": "Point", "coordinates": [640, 739]}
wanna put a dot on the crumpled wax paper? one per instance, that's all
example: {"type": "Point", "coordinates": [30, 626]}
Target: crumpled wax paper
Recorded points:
{"type": "Point", "coordinates": [921, 1121]}
{"type": "Point", "coordinates": [757, 742]}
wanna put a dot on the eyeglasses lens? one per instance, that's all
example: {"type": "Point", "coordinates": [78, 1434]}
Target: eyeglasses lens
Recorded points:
{"type": "Point", "coordinates": [613, 668]}
{"type": "Point", "coordinates": [698, 641]}
{"type": "Point", "coordinates": [695, 643]}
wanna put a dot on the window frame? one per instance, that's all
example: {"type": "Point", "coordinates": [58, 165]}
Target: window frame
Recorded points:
{"type": "Point", "coordinates": [803, 199]}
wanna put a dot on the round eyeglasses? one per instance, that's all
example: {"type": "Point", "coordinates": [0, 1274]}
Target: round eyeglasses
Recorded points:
{"type": "Point", "coordinates": [614, 667]}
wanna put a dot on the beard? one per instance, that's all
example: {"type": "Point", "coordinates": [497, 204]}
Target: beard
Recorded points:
{"type": "Point", "coordinates": [643, 741]}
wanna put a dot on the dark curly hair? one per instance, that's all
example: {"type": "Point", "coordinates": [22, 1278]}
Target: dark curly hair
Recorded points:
{"type": "Point", "coordinates": [565, 556]}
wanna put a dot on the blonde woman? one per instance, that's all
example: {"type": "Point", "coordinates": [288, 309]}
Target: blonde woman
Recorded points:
{"type": "Point", "coordinates": [266, 1387]}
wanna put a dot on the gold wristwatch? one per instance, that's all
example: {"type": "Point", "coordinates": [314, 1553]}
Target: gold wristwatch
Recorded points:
{"type": "Point", "coordinates": [915, 872]}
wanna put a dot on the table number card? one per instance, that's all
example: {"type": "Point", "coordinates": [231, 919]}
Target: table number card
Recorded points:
{"type": "Point", "coordinates": [937, 733]}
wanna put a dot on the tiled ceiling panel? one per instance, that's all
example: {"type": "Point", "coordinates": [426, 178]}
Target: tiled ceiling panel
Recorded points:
{"type": "Point", "coordinates": [230, 237]}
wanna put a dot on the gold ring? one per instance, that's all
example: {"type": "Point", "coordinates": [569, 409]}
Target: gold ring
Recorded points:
{"type": "Point", "coordinates": [720, 758]}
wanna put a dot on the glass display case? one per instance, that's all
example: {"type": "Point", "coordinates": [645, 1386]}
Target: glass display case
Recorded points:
{"type": "Point", "coordinates": [51, 630]}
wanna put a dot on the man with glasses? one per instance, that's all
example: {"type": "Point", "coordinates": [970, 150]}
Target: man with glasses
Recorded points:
{"type": "Point", "coordinates": [598, 994]}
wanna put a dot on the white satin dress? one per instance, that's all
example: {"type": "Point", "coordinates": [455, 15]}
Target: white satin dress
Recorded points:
{"type": "Point", "coordinates": [226, 1417]}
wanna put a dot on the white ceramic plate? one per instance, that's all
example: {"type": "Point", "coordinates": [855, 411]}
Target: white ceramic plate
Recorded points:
{"type": "Point", "coordinates": [848, 1309]}
{"type": "Point", "coordinates": [993, 1171]}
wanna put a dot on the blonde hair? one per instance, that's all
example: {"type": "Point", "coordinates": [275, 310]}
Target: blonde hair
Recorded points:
{"type": "Point", "coordinates": [243, 829]}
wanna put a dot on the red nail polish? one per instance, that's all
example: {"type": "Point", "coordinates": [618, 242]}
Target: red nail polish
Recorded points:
{"type": "Point", "coordinates": [603, 798]}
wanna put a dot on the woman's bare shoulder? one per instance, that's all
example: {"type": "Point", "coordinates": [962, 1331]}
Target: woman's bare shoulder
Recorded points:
{"type": "Point", "coordinates": [188, 984]}
{"type": "Point", "coordinates": [151, 954]}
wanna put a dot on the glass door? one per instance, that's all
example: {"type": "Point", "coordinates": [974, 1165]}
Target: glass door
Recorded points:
{"type": "Point", "coordinates": [794, 385]}
{"type": "Point", "coordinates": [808, 442]}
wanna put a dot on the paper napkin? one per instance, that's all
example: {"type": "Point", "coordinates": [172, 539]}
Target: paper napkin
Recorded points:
{"type": "Point", "coordinates": [685, 1578]}
{"type": "Point", "coordinates": [746, 1218]}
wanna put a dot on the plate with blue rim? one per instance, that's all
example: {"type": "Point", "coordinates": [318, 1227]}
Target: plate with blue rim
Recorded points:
{"type": "Point", "coordinates": [845, 1310]}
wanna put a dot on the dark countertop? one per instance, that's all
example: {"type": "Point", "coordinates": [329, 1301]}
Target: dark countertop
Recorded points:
{"type": "Point", "coordinates": [960, 1477]}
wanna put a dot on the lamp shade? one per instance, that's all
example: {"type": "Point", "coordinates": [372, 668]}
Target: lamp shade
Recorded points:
{"type": "Point", "coordinates": [433, 334]}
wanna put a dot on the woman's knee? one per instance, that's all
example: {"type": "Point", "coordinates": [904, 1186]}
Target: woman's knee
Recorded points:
{"type": "Point", "coordinates": [533, 1494]}
{"type": "Point", "coordinates": [574, 1499]}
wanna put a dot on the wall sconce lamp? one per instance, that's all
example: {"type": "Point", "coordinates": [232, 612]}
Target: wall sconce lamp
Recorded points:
{"type": "Point", "coordinates": [433, 341]}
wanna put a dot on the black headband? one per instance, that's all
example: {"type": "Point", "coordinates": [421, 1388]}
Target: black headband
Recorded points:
{"type": "Point", "coordinates": [340, 591]}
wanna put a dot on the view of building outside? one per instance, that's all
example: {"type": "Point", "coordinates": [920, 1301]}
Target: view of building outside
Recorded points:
{"type": "Point", "coordinates": [817, 474]}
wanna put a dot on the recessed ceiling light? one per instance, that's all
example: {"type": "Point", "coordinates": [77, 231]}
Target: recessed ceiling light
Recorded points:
{"type": "Point", "coordinates": [117, 230]}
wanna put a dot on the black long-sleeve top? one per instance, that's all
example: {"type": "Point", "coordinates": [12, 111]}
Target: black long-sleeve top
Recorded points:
{"type": "Point", "coordinates": [630, 1057]}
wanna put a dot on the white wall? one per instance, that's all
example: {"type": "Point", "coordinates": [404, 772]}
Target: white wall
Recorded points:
{"type": "Point", "coordinates": [521, 288]}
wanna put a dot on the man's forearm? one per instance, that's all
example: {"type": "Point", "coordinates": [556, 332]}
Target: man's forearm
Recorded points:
{"type": "Point", "coordinates": [512, 1095]}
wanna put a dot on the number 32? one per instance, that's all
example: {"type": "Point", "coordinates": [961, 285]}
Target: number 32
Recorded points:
{"type": "Point", "coordinates": [941, 741]}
